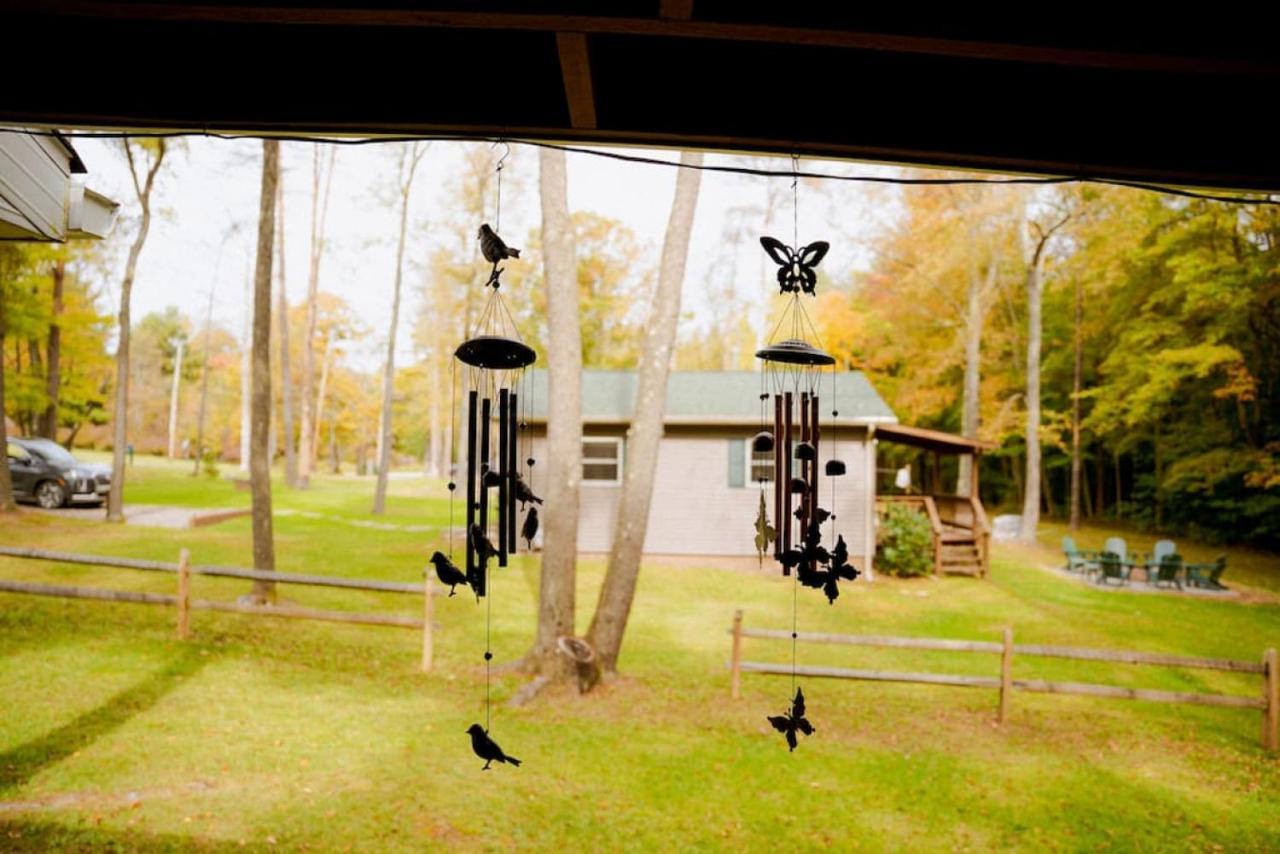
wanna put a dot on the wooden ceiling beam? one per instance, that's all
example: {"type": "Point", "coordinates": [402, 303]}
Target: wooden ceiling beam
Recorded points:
{"type": "Point", "coordinates": [575, 67]}
{"type": "Point", "coordinates": [675, 10]}
{"type": "Point", "coordinates": [666, 27]}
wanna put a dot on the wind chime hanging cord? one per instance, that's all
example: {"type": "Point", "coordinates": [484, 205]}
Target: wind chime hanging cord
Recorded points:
{"type": "Point", "coordinates": [1078, 178]}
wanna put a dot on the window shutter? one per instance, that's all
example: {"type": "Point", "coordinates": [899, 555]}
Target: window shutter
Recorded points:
{"type": "Point", "coordinates": [737, 462]}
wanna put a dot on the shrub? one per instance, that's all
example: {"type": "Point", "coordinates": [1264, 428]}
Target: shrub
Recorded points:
{"type": "Point", "coordinates": [209, 462]}
{"type": "Point", "coordinates": [905, 543]}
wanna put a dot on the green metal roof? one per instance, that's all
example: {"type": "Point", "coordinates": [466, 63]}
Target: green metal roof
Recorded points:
{"type": "Point", "coordinates": [710, 397]}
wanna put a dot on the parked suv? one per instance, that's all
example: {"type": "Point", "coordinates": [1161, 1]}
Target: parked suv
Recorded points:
{"type": "Point", "coordinates": [45, 472]}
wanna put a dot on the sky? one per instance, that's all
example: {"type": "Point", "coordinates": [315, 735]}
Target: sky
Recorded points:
{"type": "Point", "coordinates": [206, 202]}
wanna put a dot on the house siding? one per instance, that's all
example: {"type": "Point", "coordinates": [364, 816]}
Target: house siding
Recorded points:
{"type": "Point", "coordinates": [695, 511]}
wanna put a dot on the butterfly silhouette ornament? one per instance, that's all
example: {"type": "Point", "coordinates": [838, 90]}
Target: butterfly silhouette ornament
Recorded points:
{"type": "Point", "coordinates": [793, 721]}
{"type": "Point", "coordinates": [795, 266]}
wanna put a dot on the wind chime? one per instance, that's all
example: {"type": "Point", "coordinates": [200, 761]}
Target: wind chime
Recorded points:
{"type": "Point", "coordinates": [493, 360]}
{"type": "Point", "coordinates": [792, 364]}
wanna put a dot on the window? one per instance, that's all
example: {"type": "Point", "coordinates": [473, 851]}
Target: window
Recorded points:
{"type": "Point", "coordinates": [602, 461]}
{"type": "Point", "coordinates": [760, 467]}
{"type": "Point", "coordinates": [747, 468]}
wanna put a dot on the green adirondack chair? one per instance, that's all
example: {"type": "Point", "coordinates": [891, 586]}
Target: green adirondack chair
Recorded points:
{"type": "Point", "coordinates": [1168, 570]}
{"type": "Point", "coordinates": [1077, 560]}
{"type": "Point", "coordinates": [1207, 575]}
{"type": "Point", "coordinates": [1111, 567]}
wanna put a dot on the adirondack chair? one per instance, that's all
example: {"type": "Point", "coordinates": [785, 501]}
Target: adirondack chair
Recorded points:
{"type": "Point", "coordinates": [1077, 560]}
{"type": "Point", "coordinates": [1168, 569]}
{"type": "Point", "coordinates": [1118, 547]}
{"type": "Point", "coordinates": [1110, 566]}
{"type": "Point", "coordinates": [1159, 551]}
{"type": "Point", "coordinates": [1207, 575]}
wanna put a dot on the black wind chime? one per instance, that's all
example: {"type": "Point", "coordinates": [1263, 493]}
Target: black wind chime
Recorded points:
{"type": "Point", "coordinates": [493, 360]}
{"type": "Point", "coordinates": [792, 364]}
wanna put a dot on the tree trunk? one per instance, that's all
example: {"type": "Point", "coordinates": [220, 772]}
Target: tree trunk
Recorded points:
{"type": "Point", "coordinates": [173, 402]}
{"type": "Point", "coordinates": [1035, 294]}
{"type": "Point", "coordinates": [1077, 373]}
{"type": "Point", "coordinates": [1031, 482]}
{"type": "Point", "coordinates": [972, 368]}
{"type": "Point", "coordinates": [1100, 481]}
{"type": "Point", "coordinates": [320, 393]}
{"type": "Point", "coordinates": [246, 362]}
{"type": "Point", "coordinates": [7, 504]}
{"type": "Point", "coordinates": [53, 377]}
{"type": "Point", "coordinates": [310, 431]}
{"type": "Point", "coordinates": [645, 434]}
{"type": "Point", "coordinates": [204, 376]}
{"type": "Point", "coordinates": [408, 165]}
{"type": "Point", "coordinates": [1119, 472]}
{"type": "Point", "coordinates": [264, 556]}
{"type": "Point", "coordinates": [119, 432]}
{"type": "Point", "coordinates": [286, 377]}
{"type": "Point", "coordinates": [556, 593]}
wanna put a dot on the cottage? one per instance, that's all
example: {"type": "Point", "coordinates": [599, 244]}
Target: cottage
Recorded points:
{"type": "Point", "coordinates": [707, 488]}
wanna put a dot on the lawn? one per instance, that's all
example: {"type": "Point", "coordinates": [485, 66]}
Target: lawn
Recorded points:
{"type": "Point", "coordinates": [299, 734]}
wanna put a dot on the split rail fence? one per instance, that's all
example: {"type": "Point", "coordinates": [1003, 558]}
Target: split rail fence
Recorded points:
{"type": "Point", "coordinates": [185, 604]}
{"type": "Point", "coordinates": [1269, 669]}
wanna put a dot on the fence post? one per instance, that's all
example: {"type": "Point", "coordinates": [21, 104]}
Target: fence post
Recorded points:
{"type": "Point", "coordinates": [428, 609]}
{"type": "Point", "coordinates": [184, 594]}
{"type": "Point", "coordinates": [1006, 670]}
{"type": "Point", "coordinates": [735, 674]}
{"type": "Point", "coordinates": [1271, 695]}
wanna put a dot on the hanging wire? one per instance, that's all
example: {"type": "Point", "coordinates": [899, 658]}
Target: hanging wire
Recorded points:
{"type": "Point", "coordinates": [453, 483]}
{"type": "Point", "coordinates": [1267, 199]}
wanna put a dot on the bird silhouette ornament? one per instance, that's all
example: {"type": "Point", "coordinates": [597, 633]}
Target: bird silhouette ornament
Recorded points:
{"type": "Point", "coordinates": [523, 493]}
{"type": "Point", "coordinates": [791, 723]}
{"type": "Point", "coordinates": [488, 749]}
{"type": "Point", "coordinates": [529, 529]}
{"type": "Point", "coordinates": [495, 252]}
{"type": "Point", "coordinates": [795, 266]}
{"type": "Point", "coordinates": [448, 572]}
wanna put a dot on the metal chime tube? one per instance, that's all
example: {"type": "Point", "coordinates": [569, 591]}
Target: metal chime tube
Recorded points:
{"type": "Point", "coordinates": [784, 521]}
{"type": "Point", "coordinates": [777, 475]}
{"type": "Point", "coordinates": [471, 481]}
{"type": "Point", "coordinates": [805, 436]}
{"type": "Point", "coordinates": [814, 469]}
{"type": "Point", "coordinates": [485, 414]}
{"type": "Point", "coordinates": [504, 475]}
{"type": "Point", "coordinates": [513, 466]}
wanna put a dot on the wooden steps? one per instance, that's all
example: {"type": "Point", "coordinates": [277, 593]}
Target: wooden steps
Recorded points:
{"type": "Point", "coordinates": [960, 555]}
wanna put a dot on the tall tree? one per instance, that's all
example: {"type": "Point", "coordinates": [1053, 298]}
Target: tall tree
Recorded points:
{"type": "Point", "coordinates": [144, 175]}
{"type": "Point", "coordinates": [410, 155]}
{"type": "Point", "coordinates": [321, 175]}
{"type": "Point", "coordinates": [286, 377]}
{"type": "Point", "coordinates": [246, 372]}
{"type": "Point", "coordinates": [264, 553]}
{"type": "Point", "coordinates": [556, 600]}
{"type": "Point", "coordinates": [1077, 376]}
{"type": "Point", "coordinates": [53, 357]}
{"type": "Point", "coordinates": [645, 433]}
{"type": "Point", "coordinates": [1040, 234]}
{"type": "Point", "coordinates": [11, 261]}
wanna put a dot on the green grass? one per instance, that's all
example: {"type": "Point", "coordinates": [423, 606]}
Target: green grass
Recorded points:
{"type": "Point", "coordinates": [318, 735]}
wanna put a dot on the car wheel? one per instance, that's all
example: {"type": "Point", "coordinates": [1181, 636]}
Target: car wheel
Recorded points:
{"type": "Point", "coordinates": [50, 495]}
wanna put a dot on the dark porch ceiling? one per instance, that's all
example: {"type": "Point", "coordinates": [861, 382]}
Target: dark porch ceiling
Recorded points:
{"type": "Point", "coordinates": [1180, 103]}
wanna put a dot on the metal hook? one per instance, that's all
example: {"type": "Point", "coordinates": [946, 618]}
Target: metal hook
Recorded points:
{"type": "Point", "coordinates": [505, 154]}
